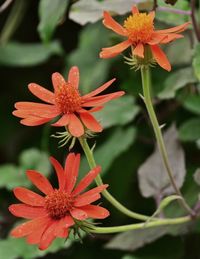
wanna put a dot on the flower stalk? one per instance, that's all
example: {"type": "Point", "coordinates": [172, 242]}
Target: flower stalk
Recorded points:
{"type": "Point", "coordinates": [146, 84]}
{"type": "Point", "coordinates": [157, 223]}
{"type": "Point", "coordinates": [91, 161]}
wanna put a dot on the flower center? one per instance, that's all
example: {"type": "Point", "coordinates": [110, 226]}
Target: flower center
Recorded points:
{"type": "Point", "coordinates": [68, 99]}
{"type": "Point", "coordinates": [58, 204]}
{"type": "Point", "coordinates": [139, 27]}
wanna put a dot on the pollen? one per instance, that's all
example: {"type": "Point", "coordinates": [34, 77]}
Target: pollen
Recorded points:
{"type": "Point", "coordinates": [58, 204]}
{"type": "Point", "coordinates": [68, 99]}
{"type": "Point", "coordinates": [139, 27]}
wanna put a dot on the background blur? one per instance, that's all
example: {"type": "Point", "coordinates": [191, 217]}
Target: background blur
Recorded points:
{"type": "Point", "coordinates": [41, 37]}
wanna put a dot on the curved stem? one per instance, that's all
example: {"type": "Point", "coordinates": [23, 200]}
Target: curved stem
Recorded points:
{"type": "Point", "coordinates": [161, 222]}
{"type": "Point", "coordinates": [146, 84]}
{"type": "Point", "coordinates": [194, 22]}
{"type": "Point", "coordinates": [90, 158]}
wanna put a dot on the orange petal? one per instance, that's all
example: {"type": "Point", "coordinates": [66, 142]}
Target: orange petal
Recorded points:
{"type": "Point", "coordinates": [73, 76]}
{"type": "Point", "coordinates": [171, 37]}
{"type": "Point", "coordinates": [78, 214]}
{"type": "Point", "coordinates": [59, 171]}
{"type": "Point", "coordinates": [42, 93]}
{"type": "Point", "coordinates": [48, 236]}
{"type": "Point", "coordinates": [63, 121]}
{"type": "Point", "coordinates": [114, 50]}
{"type": "Point", "coordinates": [28, 197]}
{"type": "Point", "coordinates": [160, 57]}
{"type": "Point", "coordinates": [110, 23]}
{"type": "Point", "coordinates": [58, 81]}
{"type": "Point", "coordinates": [75, 126]}
{"type": "Point", "coordinates": [34, 121]}
{"type": "Point", "coordinates": [135, 10]}
{"type": "Point", "coordinates": [95, 212]}
{"type": "Point", "coordinates": [139, 50]}
{"type": "Point", "coordinates": [86, 181]}
{"type": "Point", "coordinates": [99, 89]}
{"type": "Point", "coordinates": [26, 211]}
{"type": "Point", "coordinates": [176, 29]}
{"type": "Point", "coordinates": [40, 181]}
{"type": "Point", "coordinates": [72, 174]}
{"type": "Point", "coordinates": [90, 122]}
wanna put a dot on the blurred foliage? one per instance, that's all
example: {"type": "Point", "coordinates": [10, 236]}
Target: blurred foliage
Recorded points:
{"type": "Point", "coordinates": [40, 37]}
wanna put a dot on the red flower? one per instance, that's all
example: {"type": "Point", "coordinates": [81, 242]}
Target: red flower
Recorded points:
{"type": "Point", "coordinates": [75, 110]}
{"type": "Point", "coordinates": [52, 215]}
{"type": "Point", "coordinates": [140, 31]}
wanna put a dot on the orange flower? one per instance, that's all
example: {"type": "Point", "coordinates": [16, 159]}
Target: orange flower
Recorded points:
{"type": "Point", "coordinates": [75, 110]}
{"type": "Point", "coordinates": [52, 215]}
{"type": "Point", "coordinates": [140, 31]}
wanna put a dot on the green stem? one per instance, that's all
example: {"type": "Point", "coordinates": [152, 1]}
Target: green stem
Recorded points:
{"type": "Point", "coordinates": [14, 19]}
{"type": "Point", "coordinates": [146, 83]}
{"type": "Point", "coordinates": [106, 194]}
{"type": "Point", "coordinates": [161, 222]}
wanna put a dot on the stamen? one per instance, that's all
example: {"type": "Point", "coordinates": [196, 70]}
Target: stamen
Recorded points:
{"type": "Point", "coordinates": [139, 27]}
{"type": "Point", "coordinates": [58, 204]}
{"type": "Point", "coordinates": [68, 99]}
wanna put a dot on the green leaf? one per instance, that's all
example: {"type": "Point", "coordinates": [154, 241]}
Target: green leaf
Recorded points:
{"type": "Point", "coordinates": [118, 112]}
{"type": "Point", "coordinates": [93, 71]}
{"type": "Point", "coordinates": [13, 176]}
{"type": "Point", "coordinates": [192, 103]}
{"type": "Point", "coordinates": [175, 81]}
{"type": "Point", "coordinates": [50, 14]}
{"type": "Point", "coordinates": [190, 130]}
{"type": "Point", "coordinates": [35, 159]}
{"type": "Point", "coordinates": [196, 61]}
{"type": "Point", "coordinates": [13, 248]}
{"type": "Point", "coordinates": [117, 143]}
{"type": "Point", "coordinates": [153, 179]}
{"type": "Point", "coordinates": [27, 54]}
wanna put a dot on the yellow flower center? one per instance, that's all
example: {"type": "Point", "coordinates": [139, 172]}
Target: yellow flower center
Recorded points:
{"type": "Point", "coordinates": [58, 204]}
{"type": "Point", "coordinates": [68, 99]}
{"type": "Point", "coordinates": [139, 27]}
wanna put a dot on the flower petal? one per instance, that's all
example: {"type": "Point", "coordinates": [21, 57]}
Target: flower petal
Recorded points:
{"type": "Point", "coordinates": [90, 122]}
{"type": "Point", "coordinates": [75, 126]}
{"type": "Point", "coordinates": [135, 10]}
{"type": "Point", "coordinates": [156, 38]}
{"type": "Point", "coordinates": [63, 121]}
{"type": "Point", "coordinates": [110, 23]}
{"type": "Point", "coordinates": [28, 212]}
{"type": "Point", "coordinates": [176, 29]}
{"type": "Point", "coordinates": [99, 89]}
{"type": "Point", "coordinates": [86, 181]}
{"type": "Point", "coordinates": [28, 227]}
{"type": "Point", "coordinates": [99, 100]}
{"type": "Point", "coordinates": [58, 81]}
{"type": "Point", "coordinates": [96, 212]}
{"type": "Point", "coordinates": [28, 197]}
{"type": "Point", "coordinates": [40, 181]}
{"type": "Point", "coordinates": [59, 171]}
{"type": "Point", "coordinates": [114, 50]}
{"type": "Point", "coordinates": [34, 114]}
{"type": "Point", "coordinates": [72, 174]}
{"type": "Point", "coordinates": [48, 236]}
{"type": "Point", "coordinates": [160, 57]}
{"type": "Point", "coordinates": [89, 196]}
{"type": "Point", "coordinates": [42, 93]}
{"type": "Point", "coordinates": [34, 121]}
{"type": "Point", "coordinates": [35, 236]}
{"type": "Point", "coordinates": [73, 76]}
{"type": "Point", "coordinates": [64, 224]}
{"type": "Point", "coordinates": [78, 214]}
{"type": "Point", "coordinates": [139, 50]}
{"type": "Point", "coordinates": [171, 37]}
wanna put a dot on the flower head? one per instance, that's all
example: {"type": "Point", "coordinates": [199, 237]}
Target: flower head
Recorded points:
{"type": "Point", "coordinates": [75, 110]}
{"type": "Point", "coordinates": [51, 215]}
{"type": "Point", "coordinates": [139, 30]}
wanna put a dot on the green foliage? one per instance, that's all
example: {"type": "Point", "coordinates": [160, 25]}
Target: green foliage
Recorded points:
{"type": "Point", "coordinates": [196, 61]}
{"type": "Point", "coordinates": [94, 71]}
{"type": "Point", "coordinates": [191, 103]}
{"type": "Point", "coordinates": [50, 14]}
{"type": "Point", "coordinates": [118, 112]}
{"type": "Point", "coordinates": [27, 54]}
{"type": "Point", "coordinates": [13, 176]}
{"type": "Point", "coordinates": [190, 130]}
